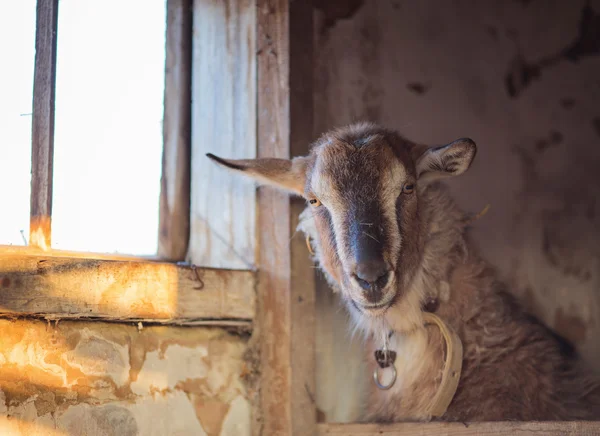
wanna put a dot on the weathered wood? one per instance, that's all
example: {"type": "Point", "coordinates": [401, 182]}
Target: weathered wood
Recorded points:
{"type": "Point", "coordinates": [303, 331]}
{"type": "Point", "coordinates": [223, 205]}
{"type": "Point", "coordinates": [286, 279]}
{"type": "Point", "coordinates": [174, 219]}
{"type": "Point", "coordinates": [549, 428]}
{"type": "Point", "coordinates": [303, 284]}
{"type": "Point", "coordinates": [122, 290]}
{"type": "Point", "coordinates": [274, 291]}
{"type": "Point", "coordinates": [42, 137]}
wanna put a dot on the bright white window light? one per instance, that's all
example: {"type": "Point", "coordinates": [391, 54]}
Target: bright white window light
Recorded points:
{"type": "Point", "coordinates": [17, 45]}
{"type": "Point", "coordinates": [108, 129]}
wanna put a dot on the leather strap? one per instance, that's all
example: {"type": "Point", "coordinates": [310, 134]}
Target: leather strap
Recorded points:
{"type": "Point", "coordinates": [452, 366]}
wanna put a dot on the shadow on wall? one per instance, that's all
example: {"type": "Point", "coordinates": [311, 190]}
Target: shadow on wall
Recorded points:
{"type": "Point", "coordinates": [587, 43]}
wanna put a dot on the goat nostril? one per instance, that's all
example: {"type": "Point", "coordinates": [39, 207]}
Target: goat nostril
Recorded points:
{"type": "Point", "coordinates": [372, 275]}
{"type": "Point", "coordinates": [363, 283]}
{"type": "Point", "coordinates": [382, 280]}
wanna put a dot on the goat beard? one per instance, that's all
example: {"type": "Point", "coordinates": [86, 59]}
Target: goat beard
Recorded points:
{"type": "Point", "coordinates": [404, 312]}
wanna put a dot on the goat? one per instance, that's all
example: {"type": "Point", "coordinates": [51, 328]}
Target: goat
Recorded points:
{"type": "Point", "coordinates": [392, 242]}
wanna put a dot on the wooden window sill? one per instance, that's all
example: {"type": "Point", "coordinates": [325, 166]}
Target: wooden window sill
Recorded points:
{"type": "Point", "coordinates": [69, 285]}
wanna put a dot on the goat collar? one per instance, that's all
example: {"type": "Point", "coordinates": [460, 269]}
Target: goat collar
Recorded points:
{"type": "Point", "coordinates": [450, 374]}
{"type": "Point", "coordinates": [452, 366]}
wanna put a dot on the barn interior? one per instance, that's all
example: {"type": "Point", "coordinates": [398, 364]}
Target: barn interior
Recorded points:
{"type": "Point", "coordinates": [225, 327]}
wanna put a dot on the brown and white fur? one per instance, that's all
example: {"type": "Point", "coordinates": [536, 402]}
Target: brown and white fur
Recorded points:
{"type": "Point", "coordinates": [393, 243]}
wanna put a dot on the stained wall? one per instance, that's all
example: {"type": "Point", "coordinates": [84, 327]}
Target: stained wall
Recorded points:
{"type": "Point", "coordinates": [81, 378]}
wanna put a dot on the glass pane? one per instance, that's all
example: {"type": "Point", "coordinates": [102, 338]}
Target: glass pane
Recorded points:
{"type": "Point", "coordinates": [108, 139]}
{"type": "Point", "coordinates": [17, 45]}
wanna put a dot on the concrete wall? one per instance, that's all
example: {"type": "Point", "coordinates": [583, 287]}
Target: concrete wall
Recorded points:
{"type": "Point", "coordinates": [79, 378]}
{"type": "Point", "coordinates": [520, 77]}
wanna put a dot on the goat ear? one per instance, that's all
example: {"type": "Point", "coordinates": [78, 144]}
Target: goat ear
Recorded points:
{"type": "Point", "coordinates": [289, 175]}
{"type": "Point", "coordinates": [445, 161]}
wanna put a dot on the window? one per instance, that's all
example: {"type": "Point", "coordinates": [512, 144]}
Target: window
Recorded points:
{"type": "Point", "coordinates": [108, 125]}
{"type": "Point", "coordinates": [17, 40]}
{"type": "Point", "coordinates": [108, 131]}
{"type": "Point", "coordinates": [109, 170]}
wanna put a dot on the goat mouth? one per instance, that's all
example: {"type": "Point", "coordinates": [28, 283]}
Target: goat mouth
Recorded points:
{"type": "Point", "coordinates": [373, 309]}
{"type": "Point", "coordinates": [375, 306]}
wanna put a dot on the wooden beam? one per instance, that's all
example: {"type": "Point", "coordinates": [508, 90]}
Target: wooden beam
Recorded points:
{"type": "Point", "coordinates": [286, 279]}
{"type": "Point", "coordinates": [174, 216]}
{"type": "Point", "coordinates": [274, 291]}
{"type": "Point", "coordinates": [303, 280]}
{"type": "Point", "coordinates": [42, 137]}
{"type": "Point", "coordinates": [123, 290]}
{"type": "Point", "coordinates": [223, 205]}
{"type": "Point", "coordinates": [549, 428]}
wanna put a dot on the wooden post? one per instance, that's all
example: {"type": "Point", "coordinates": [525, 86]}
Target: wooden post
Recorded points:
{"type": "Point", "coordinates": [174, 227]}
{"type": "Point", "coordinates": [248, 102]}
{"type": "Point", "coordinates": [303, 311]}
{"type": "Point", "coordinates": [286, 279]}
{"type": "Point", "coordinates": [42, 137]}
{"type": "Point", "coordinates": [274, 292]}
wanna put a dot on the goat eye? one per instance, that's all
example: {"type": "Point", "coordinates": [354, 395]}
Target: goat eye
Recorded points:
{"type": "Point", "coordinates": [408, 189]}
{"type": "Point", "coordinates": [314, 202]}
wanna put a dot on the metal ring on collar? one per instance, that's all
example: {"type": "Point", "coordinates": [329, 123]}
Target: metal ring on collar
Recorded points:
{"type": "Point", "coordinates": [390, 384]}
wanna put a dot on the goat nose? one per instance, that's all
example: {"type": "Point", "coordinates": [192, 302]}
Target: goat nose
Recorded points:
{"type": "Point", "coordinates": [372, 276]}
{"type": "Point", "coordinates": [372, 271]}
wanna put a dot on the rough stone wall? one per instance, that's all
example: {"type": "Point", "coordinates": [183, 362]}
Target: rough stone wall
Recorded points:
{"type": "Point", "coordinates": [81, 378]}
{"type": "Point", "coordinates": [520, 77]}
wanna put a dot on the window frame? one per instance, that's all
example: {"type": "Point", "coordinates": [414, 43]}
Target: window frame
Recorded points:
{"type": "Point", "coordinates": [42, 137]}
{"type": "Point", "coordinates": [173, 234]}
{"type": "Point", "coordinates": [211, 296]}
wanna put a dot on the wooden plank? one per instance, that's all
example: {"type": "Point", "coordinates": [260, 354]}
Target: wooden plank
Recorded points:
{"type": "Point", "coordinates": [42, 137]}
{"type": "Point", "coordinates": [303, 331]}
{"type": "Point", "coordinates": [286, 279]}
{"type": "Point", "coordinates": [223, 205]}
{"type": "Point", "coordinates": [121, 290]}
{"type": "Point", "coordinates": [274, 232]}
{"type": "Point", "coordinates": [585, 428]}
{"type": "Point", "coordinates": [303, 283]}
{"type": "Point", "coordinates": [174, 215]}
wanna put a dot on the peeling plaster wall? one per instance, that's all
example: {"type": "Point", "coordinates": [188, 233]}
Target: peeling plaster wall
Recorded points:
{"type": "Point", "coordinates": [79, 378]}
{"type": "Point", "coordinates": [520, 77]}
